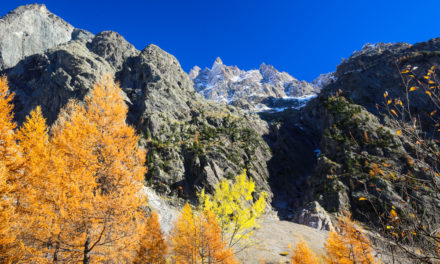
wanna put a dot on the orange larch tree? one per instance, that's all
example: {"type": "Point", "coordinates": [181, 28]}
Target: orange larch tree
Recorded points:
{"type": "Point", "coordinates": [40, 192]}
{"type": "Point", "coordinates": [348, 245]}
{"type": "Point", "coordinates": [196, 239]}
{"type": "Point", "coordinates": [90, 208]}
{"type": "Point", "coordinates": [153, 247]}
{"type": "Point", "coordinates": [9, 170]}
{"type": "Point", "coordinates": [8, 249]}
{"type": "Point", "coordinates": [103, 170]}
{"type": "Point", "coordinates": [213, 249]}
{"type": "Point", "coordinates": [9, 151]}
{"type": "Point", "coordinates": [33, 139]}
{"type": "Point", "coordinates": [302, 254]}
{"type": "Point", "coordinates": [182, 237]}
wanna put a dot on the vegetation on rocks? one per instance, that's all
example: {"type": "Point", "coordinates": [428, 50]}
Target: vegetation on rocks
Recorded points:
{"type": "Point", "coordinates": [383, 168]}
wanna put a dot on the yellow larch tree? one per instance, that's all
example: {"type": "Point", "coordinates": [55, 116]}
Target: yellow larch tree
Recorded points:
{"type": "Point", "coordinates": [153, 248]}
{"type": "Point", "coordinates": [348, 245]}
{"type": "Point", "coordinates": [233, 207]}
{"type": "Point", "coordinates": [196, 239]}
{"type": "Point", "coordinates": [302, 254]}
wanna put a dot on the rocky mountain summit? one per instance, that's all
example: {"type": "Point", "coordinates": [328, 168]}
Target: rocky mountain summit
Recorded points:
{"type": "Point", "coordinates": [248, 89]}
{"type": "Point", "coordinates": [32, 29]}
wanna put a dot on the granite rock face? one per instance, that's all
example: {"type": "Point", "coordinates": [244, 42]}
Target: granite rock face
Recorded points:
{"type": "Point", "coordinates": [374, 70]}
{"type": "Point", "coordinates": [375, 169]}
{"type": "Point", "coordinates": [32, 29]}
{"type": "Point", "coordinates": [113, 48]}
{"type": "Point", "coordinates": [315, 216]}
{"type": "Point", "coordinates": [51, 78]}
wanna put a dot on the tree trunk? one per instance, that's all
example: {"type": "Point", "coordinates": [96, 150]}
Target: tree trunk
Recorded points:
{"type": "Point", "coordinates": [55, 254]}
{"type": "Point", "coordinates": [86, 259]}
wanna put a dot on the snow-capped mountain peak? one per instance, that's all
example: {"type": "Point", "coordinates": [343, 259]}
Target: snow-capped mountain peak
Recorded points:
{"type": "Point", "coordinates": [231, 85]}
{"type": "Point", "coordinates": [218, 61]}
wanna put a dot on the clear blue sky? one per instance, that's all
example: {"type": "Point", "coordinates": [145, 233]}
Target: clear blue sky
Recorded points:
{"type": "Point", "coordinates": [303, 38]}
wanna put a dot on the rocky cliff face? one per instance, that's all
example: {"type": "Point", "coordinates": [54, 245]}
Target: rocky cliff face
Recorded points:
{"type": "Point", "coordinates": [247, 89]}
{"type": "Point", "coordinates": [32, 29]}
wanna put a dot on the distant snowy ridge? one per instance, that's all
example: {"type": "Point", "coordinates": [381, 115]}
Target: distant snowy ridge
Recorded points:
{"type": "Point", "coordinates": [248, 89]}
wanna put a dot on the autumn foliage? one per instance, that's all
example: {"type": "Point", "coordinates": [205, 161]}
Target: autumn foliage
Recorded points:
{"type": "Point", "coordinates": [7, 216]}
{"type": "Point", "coordinates": [9, 164]}
{"type": "Point", "coordinates": [302, 254]}
{"type": "Point", "coordinates": [196, 239]}
{"type": "Point", "coordinates": [101, 168]}
{"type": "Point", "coordinates": [349, 245]}
{"type": "Point", "coordinates": [234, 209]}
{"type": "Point", "coordinates": [9, 151]}
{"type": "Point", "coordinates": [153, 246]}
{"type": "Point", "coordinates": [72, 195]}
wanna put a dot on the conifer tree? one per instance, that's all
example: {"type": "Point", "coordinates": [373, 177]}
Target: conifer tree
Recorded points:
{"type": "Point", "coordinates": [9, 165]}
{"type": "Point", "coordinates": [8, 246]}
{"type": "Point", "coordinates": [196, 239]}
{"type": "Point", "coordinates": [349, 245]}
{"type": "Point", "coordinates": [41, 193]}
{"type": "Point", "coordinates": [88, 207]}
{"type": "Point", "coordinates": [9, 151]}
{"type": "Point", "coordinates": [302, 254]}
{"type": "Point", "coordinates": [153, 247]}
{"type": "Point", "coordinates": [34, 144]}
{"type": "Point", "coordinates": [104, 172]}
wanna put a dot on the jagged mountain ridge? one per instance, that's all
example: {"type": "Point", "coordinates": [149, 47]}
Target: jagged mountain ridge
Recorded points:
{"type": "Point", "coordinates": [248, 89]}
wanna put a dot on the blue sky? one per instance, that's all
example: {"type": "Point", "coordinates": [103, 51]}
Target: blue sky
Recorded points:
{"type": "Point", "coordinates": [303, 38]}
